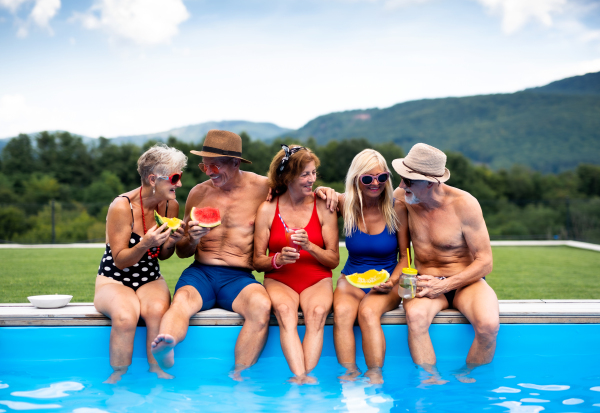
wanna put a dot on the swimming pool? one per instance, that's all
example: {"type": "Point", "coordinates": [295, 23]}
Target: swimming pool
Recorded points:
{"type": "Point", "coordinates": [549, 367]}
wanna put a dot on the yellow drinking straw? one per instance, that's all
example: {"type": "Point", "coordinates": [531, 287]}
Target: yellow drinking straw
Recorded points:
{"type": "Point", "coordinates": [408, 253]}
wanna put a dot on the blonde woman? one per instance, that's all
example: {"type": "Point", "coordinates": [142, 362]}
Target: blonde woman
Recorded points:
{"type": "Point", "coordinates": [129, 284]}
{"type": "Point", "coordinates": [376, 230]}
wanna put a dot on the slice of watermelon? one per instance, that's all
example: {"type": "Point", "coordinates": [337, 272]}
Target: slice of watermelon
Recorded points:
{"type": "Point", "coordinates": [207, 217]}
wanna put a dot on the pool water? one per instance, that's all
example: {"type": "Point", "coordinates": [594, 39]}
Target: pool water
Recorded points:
{"type": "Point", "coordinates": [550, 368]}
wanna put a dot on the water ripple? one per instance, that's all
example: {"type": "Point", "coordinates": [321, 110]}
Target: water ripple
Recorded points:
{"type": "Point", "coordinates": [548, 387]}
{"type": "Point", "coordinates": [54, 391]}
{"type": "Point", "coordinates": [28, 406]}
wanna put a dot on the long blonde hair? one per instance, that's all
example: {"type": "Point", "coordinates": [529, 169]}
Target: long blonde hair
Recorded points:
{"type": "Point", "coordinates": [353, 202]}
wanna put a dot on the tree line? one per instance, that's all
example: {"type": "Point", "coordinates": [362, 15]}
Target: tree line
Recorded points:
{"type": "Point", "coordinates": [57, 175]}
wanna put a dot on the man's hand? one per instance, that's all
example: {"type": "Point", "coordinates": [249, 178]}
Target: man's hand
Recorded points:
{"type": "Point", "coordinates": [384, 288]}
{"type": "Point", "coordinates": [329, 195]}
{"type": "Point", "coordinates": [430, 286]}
{"type": "Point", "coordinates": [195, 231]}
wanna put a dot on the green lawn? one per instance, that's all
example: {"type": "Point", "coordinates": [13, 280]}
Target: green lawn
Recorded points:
{"type": "Point", "coordinates": [519, 272]}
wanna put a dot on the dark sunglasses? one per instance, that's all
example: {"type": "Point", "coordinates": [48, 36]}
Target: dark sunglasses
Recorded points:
{"type": "Point", "coordinates": [381, 178]}
{"type": "Point", "coordinates": [408, 182]}
{"type": "Point", "coordinates": [173, 178]}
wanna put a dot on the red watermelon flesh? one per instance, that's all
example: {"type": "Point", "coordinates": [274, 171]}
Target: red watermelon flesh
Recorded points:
{"type": "Point", "coordinates": [207, 217]}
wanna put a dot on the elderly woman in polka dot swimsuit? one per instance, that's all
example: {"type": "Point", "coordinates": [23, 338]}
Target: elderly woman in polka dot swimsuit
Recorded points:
{"type": "Point", "coordinates": [129, 284]}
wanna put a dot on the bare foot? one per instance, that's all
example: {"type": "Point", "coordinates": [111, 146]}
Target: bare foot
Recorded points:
{"type": "Point", "coordinates": [154, 368]}
{"type": "Point", "coordinates": [435, 377]}
{"type": "Point", "coordinates": [116, 374]}
{"type": "Point", "coordinates": [302, 379]}
{"type": "Point", "coordinates": [162, 349]}
{"type": "Point", "coordinates": [462, 375]}
{"type": "Point", "coordinates": [352, 372]}
{"type": "Point", "coordinates": [236, 373]}
{"type": "Point", "coordinates": [375, 375]}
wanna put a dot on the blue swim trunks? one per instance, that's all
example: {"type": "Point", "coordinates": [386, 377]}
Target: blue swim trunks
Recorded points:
{"type": "Point", "coordinates": [217, 285]}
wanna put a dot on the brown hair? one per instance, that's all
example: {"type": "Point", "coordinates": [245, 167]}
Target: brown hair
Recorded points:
{"type": "Point", "coordinates": [293, 168]}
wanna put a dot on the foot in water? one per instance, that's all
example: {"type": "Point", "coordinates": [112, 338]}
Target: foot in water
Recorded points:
{"type": "Point", "coordinates": [154, 368]}
{"type": "Point", "coordinates": [118, 371]}
{"type": "Point", "coordinates": [434, 375]}
{"type": "Point", "coordinates": [352, 372]}
{"type": "Point", "coordinates": [162, 350]}
{"type": "Point", "coordinates": [375, 375]}
{"type": "Point", "coordinates": [236, 373]}
{"type": "Point", "coordinates": [303, 379]}
{"type": "Point", "coordinates": [462, 374]}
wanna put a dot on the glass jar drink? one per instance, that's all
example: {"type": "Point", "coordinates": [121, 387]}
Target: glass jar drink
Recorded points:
{"type": "Point", "coordinates": [288, 238]}
{"type": "Point", "coordinates": [408, 283]}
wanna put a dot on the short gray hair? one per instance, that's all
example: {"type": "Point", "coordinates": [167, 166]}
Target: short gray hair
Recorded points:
{"type": "Point", "coordinates": [160, 160]}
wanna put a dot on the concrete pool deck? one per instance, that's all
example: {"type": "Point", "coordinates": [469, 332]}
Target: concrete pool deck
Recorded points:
{"type": "Point", "coordinates": [511, 312]}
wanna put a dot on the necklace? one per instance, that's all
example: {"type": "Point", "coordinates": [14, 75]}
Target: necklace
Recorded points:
{"type": "Point", "coordinates": [154, 251]}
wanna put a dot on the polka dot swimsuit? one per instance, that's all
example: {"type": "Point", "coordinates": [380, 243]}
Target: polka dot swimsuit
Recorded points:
{"type": "Point", "coordinates": [144, 271]}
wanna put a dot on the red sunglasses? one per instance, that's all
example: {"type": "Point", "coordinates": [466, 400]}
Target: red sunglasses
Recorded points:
{"type": "Point", "coordinates": [173, 178]}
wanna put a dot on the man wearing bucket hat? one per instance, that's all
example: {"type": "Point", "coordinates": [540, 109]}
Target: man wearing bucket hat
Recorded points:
{"type": "Point", "coordinates": [453, 255]}
{"type": "Point", "coordinates": [221, 274]}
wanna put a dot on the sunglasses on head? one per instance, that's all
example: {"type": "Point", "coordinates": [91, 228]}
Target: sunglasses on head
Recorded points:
{"type": "Point", "coordinates": [173, 178]}
{"type": "Point", "coordinates": [368, 179]}
{"type": "Point", "coordinates": [209, 168]}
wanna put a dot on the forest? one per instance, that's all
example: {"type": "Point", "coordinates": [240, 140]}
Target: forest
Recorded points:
{"type": "Point", "coordinates": [55, 188]}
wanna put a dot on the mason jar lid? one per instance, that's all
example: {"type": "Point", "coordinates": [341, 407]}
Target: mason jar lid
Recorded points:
{"type": "Point", "coordinates": [409, 271]}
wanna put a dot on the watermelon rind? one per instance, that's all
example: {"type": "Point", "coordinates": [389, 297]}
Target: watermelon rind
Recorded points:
{"type": "Point", "coordinates": [368, 279]}
{"type": "Point", "coordinates": [194, 217]}
{"type": "Point", "coordinates": [172, 223]}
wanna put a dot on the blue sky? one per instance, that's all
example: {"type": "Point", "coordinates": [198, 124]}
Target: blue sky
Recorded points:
{"type": "Point", "coordinates": [121, 67]}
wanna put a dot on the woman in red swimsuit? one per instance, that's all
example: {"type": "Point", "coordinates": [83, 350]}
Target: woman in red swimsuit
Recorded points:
{"type": "Point", "coordinates": [297, 219]}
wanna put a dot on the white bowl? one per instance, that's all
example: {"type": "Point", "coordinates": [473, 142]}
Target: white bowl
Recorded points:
{"type": "Point", "coordinates": [50, 301]}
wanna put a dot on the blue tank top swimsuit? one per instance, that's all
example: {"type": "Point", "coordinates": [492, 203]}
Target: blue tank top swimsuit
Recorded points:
{"type": "Point", "coordinates": [371, 252]}
{"type": "Point", "coordinates": [142, 272]}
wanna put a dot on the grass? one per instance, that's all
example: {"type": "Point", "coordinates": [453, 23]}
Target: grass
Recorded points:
{"type": "Point", "coordinates": [519, 273]}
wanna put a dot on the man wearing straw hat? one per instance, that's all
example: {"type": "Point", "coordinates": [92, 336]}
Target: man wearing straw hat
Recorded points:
{"type": "Point", "coordinates": [452, 253]}
{"type": "Point", "coordinates": [221, 274]}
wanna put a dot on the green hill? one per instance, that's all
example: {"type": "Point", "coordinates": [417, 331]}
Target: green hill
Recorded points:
{"type": "Point", "coordinates": [551, 128]}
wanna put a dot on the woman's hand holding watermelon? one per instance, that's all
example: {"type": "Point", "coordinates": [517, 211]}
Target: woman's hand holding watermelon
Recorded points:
{"type": "Point", "coordinates": [175, 236]}
{"type": "Point", "coordinates": [155, 237]}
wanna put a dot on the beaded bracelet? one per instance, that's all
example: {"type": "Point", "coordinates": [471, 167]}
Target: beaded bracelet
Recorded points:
{"type": "Point", "coordinates": [274, 262]}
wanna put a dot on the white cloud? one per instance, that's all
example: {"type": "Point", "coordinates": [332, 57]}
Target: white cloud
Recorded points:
{"type": "Point", "coordinates": [43, 11]}
{"type": "Point", "coordinates": [17, 116]}
{"type": "Point", "coordinates": [11, 5]}
{"type": "Point", "coordinates": [145, 22]}
{"type": "Point", "coordinates": [517, 13]}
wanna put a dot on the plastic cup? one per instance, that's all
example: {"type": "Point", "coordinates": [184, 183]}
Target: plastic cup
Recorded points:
{"type": "Point", "coordinates": [289, 241]}
{"type": "Point", "coordinates": [408, 283]}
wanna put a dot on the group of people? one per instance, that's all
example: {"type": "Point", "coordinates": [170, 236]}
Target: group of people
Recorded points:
{"type": "Point", "coordinates": [282, 226]}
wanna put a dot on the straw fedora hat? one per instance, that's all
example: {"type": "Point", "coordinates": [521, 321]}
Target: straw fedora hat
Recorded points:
{"type": "Point", "coordinates": [222, 143]}
{"type": "Point", "coordinates": [423, 162]}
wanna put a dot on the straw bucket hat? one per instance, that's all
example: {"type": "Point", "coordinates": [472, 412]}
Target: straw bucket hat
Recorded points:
{"type": "Point", "coordinates": [423, 162]}
{"type": "Point", "coordinates": [222, 143]}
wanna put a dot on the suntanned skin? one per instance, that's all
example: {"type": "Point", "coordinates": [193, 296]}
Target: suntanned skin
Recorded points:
{"type": "Point", "coordinates": [350, 303]}
{"type": "Point", "coordinates": [120, 303]}
{"type": "Point", "coordinates": [296, 207]}
{"type": "Point", "coordinates": [237, 195]}
{"type": "Point", "coordinates": [450, 240]}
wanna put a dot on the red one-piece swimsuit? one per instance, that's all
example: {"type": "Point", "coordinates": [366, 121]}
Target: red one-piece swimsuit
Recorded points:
{"type": "Point", "coordinates": [307, 270]}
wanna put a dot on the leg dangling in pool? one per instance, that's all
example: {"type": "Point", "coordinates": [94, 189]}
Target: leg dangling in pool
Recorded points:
{"type": "Point", "coordinates": [434, 375]}
{"type": "Point", "coordinates": [118, 371]}
{"type": "Point", "coordinates": [462, 374]}
{"type": "Point", "coordinates": [352, 372]}
{"type": "Point", "coordinates": [163, 350]}
{"type": "Point", "coordinates": [375, 376]}
{"type": "Point", "coordinates": [155, 368]}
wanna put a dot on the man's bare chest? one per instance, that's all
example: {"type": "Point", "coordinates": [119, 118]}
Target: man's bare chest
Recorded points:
{"type": "Point", "coordinates": [441, 230]}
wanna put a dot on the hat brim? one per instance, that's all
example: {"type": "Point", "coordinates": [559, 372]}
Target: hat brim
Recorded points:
{"type": "Point", "coordinates": [404, 171]}
{"type": "Point", "coordinates": [216, 155]}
